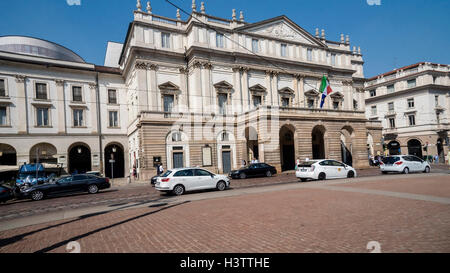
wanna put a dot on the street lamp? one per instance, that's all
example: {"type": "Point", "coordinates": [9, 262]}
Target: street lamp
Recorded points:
{"type": "Point", "coordinates": [114, 149]}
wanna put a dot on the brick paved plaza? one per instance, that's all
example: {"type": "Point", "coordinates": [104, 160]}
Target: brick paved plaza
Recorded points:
{"type": "Point", "coordinates": [403, 213]}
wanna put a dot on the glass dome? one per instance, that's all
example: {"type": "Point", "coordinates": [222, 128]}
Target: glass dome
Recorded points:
{"type": "Point", "coordinates": [37, 47]}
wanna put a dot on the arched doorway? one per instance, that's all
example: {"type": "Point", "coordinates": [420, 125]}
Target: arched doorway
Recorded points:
{"type": "Point", "coordinates": [415, 148]}
{"type": "Point", "coordinates": [251, 135]}
{"type": "Point", "coordinates": [347, 145]}
{"type": "Point", "coordinates": [43, 153]}
{"type": "Point", "coordinates": [318, 142]}
{"type": "Point", "coordinates": [287, 148]}
{"type": "Point", "coordinates": [440, 150]}
{"type": "Point", "coordinates": [177, 149]}
{"type": "Point", "coordinates": [8, 155]}
{"type": "Point", "coordinates": [394, 147]}
{"type": "Point", "coordinates": [79, 158]}
{"type": "Point", "coordinates": [116, 167]}
{"type": "Point", "coordinates": [226, 155]}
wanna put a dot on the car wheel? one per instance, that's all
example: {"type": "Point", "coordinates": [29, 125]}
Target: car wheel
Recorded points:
{"type": "Point", "coordinates": [322, 176]}
{"type": "Point", "coordinates": [351, 174]}
{"type": "Point", "coordinates": [406, 170]}
{"type": "Point", "coordinates": [92, 189]}
{"type": "Point", "coordinates": [383, 172]}
{"type": "Point", "coordinates": [268, 174]}
{"type": "Point", "coordinates": [221, 186]}
{"type": "Point", "coordinates": [37, 195]}
{"type": "Point", "coordinates": [303, 179]}
{"type": "Point", "coordinates": [243, 176]}
{"type": "Point", "coordinates": [427, 169]}
{"type": "Point", "coordinates": [178, 190]}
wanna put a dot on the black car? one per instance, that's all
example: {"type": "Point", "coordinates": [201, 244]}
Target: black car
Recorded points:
{"type": "Point", "coordinates": [67, 184]}
{"type": "Point", "coordinates": [153, 180]}
{"type": "Point", "coordinates": [256, 169]}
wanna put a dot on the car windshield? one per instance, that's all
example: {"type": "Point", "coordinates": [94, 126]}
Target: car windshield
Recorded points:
{"type": "Point", "coordinates": [306, 164]}
{"type": "Point", "coordinates": [391, 159]}
{"type": "Point", "coordinates": [167, 173]}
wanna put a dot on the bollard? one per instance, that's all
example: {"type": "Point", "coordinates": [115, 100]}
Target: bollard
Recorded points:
{"type": "Point", "coordinates": [129, 179]}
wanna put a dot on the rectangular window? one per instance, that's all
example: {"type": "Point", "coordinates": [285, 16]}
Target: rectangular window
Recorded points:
{"type": "Point", "coordinates": [112, 96]}
{"type": "Point", "coordinates": [41, 91]}
{"type": "Point", "coordinates": [3, 116]}
{"type": "Point", "coordinates": [355, 104]}
{"type": "Point", "coordinates": [436, 100]}
{"type": "Point", "coordinates": [373, 92]}
{"type": "Point", "coordinates": [219, 40]}
{"type": "Point", "coordinates": [411, 103]}
{"type": "Point", "coordinates": [165, 40]}
{"type": "Point", "coordinates": [2, 88]}
{"type": "Point", "coordinates": [168, 103]}
{"type": "Point", "coordinates": [438, 117]}
{"type": "Point", "coordinates": [77, 117]}
{"type": "Point", "coordinates": [285, 102]}
{"type": "Point", "coordinates": [113, 119]}
{"type": "Point", "coordinates": [256, 101]}
{"type": "Point", "coordinates": [333, 59]}
{"type": "Point", "coordinates": [412, 120]}
{"type": "Point", "coordinates": [390, 89]}
{"type": "Point", "coordinates": [335, 105]}
{"type": "Point", "coordinates": [255, 46]}
{"type": "Point", "coordinates": [374, 110]}
{"type": "Point", "coordinates": [223, 101]}
{"type": "Point", "coordinates": [42, 117]}
{"type": "Point", "coordinates": [283, 50]}
{"type": "Point", "coordinates": [310, 103]}
{"type": "Point", "coordinates": [390, 106]}
{"type": "Point", "coordinates": [76, 94]}
{"type": "Point", "coordinates": [411, 83]}
{"type": "Point", "coordinates": [391, 123]}
{"type": "Point", "coordinates": [309, 54]}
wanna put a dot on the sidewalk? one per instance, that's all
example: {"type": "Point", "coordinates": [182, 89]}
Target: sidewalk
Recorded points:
{"type": "Point", "coordinates": [122, 182]}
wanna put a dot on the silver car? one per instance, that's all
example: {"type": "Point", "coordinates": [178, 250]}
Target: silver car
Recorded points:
{"type": "Point", "coordinates": [404, 164]}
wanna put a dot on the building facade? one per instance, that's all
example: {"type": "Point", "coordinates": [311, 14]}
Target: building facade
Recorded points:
{"type": "Point", "coordinates": [413, 105]}
{"type": "Point", "coordinates": [212, 92]}
{"type": "Point", "coordinates": [55, 108]}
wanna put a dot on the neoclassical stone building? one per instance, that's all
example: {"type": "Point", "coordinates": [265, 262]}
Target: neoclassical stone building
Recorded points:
{"type": "Point", "coordinates": [205, 91]}
{"type": "Point", "coordinates": [212, 92]}
{"type": "Point", "coordinates": [413, 105]}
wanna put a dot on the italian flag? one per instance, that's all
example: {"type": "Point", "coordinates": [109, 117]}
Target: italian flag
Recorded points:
{"type": "Point", "coordinates": [325, 90]}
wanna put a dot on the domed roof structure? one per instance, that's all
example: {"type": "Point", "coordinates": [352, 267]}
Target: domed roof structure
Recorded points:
{"type": "Point", "coordinates": [38, 47]}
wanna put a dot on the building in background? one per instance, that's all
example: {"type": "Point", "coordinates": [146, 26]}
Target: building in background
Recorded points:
{"type": "Point", "coordinates": [56, 108]}
{"type": "Point", "coordinates": [413, 105]}
{"type": "Point", "coordinates": [205, 91]}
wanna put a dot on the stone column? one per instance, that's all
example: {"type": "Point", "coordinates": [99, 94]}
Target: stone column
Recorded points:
{"type": "Point", "coordinates": [61, 106]}
{"type": "Point", "coordinates": [208, 98]}
{"type": "Point", "coordinates": [183, 98]}
{"type": "Point", "coordinates": [275, 96]}
{"type": "Point", "coordinates": [93, 108]}
{"type": "Point", "coordinates": [269, 89]}
{"type": "Point", "coordinates": [237, 102]}
{"type": "Point", "coordinates": [22, 104]}
{"type": "Point", "coordinates": [154, 94]}
{"type": "Point", "coordinates": [141, 86]}
{"type": "Point", "coordinates": [245, 90]}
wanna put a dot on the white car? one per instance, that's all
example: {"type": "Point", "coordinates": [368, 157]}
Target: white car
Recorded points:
{"type": "Point", "coordinates": [324, 169]}
{"type": "Point", "coordinates": [404, 164]}
{"type": "Point", "coordinates": [178, 181]}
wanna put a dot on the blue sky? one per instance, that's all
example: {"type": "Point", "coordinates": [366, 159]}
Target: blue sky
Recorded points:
{"type": "Point", "coordinates": [393, 34]}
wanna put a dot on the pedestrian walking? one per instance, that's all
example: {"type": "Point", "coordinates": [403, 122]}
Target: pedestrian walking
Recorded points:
{"type": "Point", "coordinates": [161, 169]}
{"type": "Point", "coordinates": [244, 163]}
{"type": "Point", "coordinates": [297, 163]}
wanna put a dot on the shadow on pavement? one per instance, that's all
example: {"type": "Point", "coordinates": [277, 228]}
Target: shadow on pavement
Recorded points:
{"type": "Point", "coordinates": [16, 238]}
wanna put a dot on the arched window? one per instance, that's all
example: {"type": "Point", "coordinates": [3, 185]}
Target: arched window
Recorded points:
{"type": "Point", "coordinates": [176, 136]}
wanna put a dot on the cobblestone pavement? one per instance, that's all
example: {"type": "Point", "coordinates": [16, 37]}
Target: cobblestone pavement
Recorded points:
{"type": "Point", "coordinates": [139, 192]}
{"type": "Point", "coordinates": [337, 216]}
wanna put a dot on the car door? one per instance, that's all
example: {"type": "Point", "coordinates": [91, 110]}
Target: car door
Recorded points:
{"type": "Point", "coordinates": [327, 168]}
{"type": "Point", "coordinates": [61, 186]}
{"type": "Point", "coordinates": [204, 178]}
{"type": "Point", "coordinates": [79, 182]}
{"type": "Point", "coordinates": [186, 178]}
{"type": "Point", "coordinates": [339, 169]}
{"type": "Point", "coordinates": [252, 170]}
{"type": "Point", "coordinates": [409, 162]}
{"type": "Point", "coordinates": [420, 164]}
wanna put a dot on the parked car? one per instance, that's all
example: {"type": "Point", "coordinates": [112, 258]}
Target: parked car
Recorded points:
{"type": "Point", "coordinates": [252, 170]}
{"type": "Point", "coordinates": [5, 193]}
{"type": "Point", "coordinates": [153, 180]}
{"type": "Point", "coordinates": [179, 181]}
{"type": "Point", "coordinates": [67, 184]}
{"type": "Point", "coordinates": [324, 169]}
{"type": "Point", "coordinates": [404, 164]}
